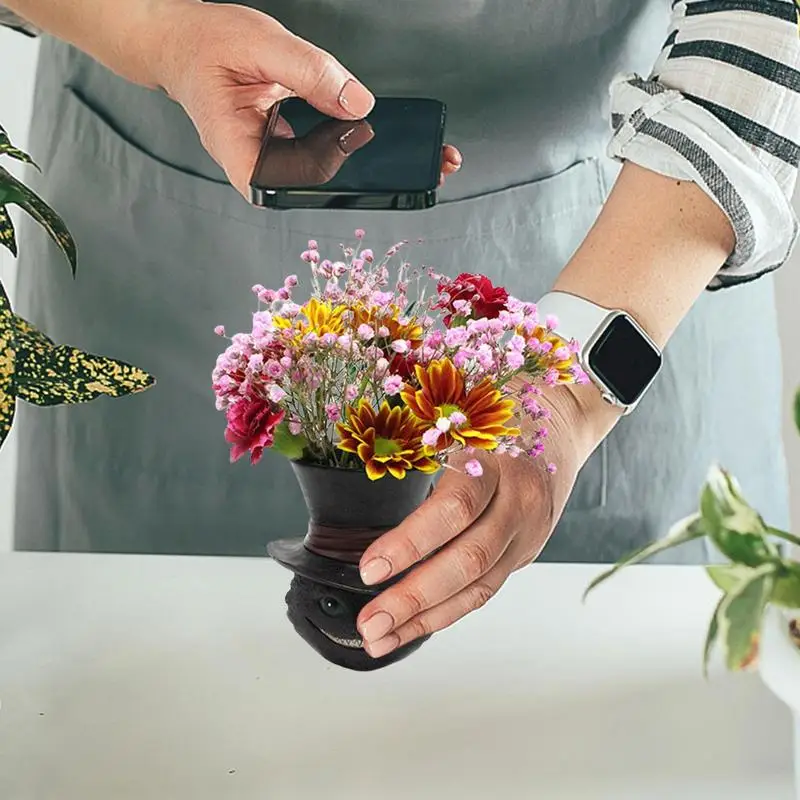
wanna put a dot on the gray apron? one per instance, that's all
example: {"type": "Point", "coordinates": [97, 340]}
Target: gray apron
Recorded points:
{"type": "Point", "coordinates": [167, 251]}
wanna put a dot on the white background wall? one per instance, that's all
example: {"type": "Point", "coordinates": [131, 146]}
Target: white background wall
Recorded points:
{"type": "Point", "coordinates": [17, 59]}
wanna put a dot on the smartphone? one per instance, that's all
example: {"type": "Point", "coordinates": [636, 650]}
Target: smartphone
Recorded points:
{"type": "Point", "coordinates": [389, 161]}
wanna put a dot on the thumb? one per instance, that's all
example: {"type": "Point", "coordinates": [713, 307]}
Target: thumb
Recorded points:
{"type": "Point", "coordinates": [315, 76]}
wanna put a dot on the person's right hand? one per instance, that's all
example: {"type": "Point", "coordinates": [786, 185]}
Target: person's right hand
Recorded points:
{"type": "Point", "coordinates": [228, 64]}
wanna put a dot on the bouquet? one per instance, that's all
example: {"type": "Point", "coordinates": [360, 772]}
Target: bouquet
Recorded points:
{"type": "Point", "coordinates": [389, 369]}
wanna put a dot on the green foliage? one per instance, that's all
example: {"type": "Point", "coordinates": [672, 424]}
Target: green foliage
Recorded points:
{"type": "Point", "coordinates": [287, 444]}
{"type": "Point", "coordinates": [797, 403]}
{"type": "Point", "coordinates": [32, 367]}
{"type": "Point", "coordinates": [758, 574]}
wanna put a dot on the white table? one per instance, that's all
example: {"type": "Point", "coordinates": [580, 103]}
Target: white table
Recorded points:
{"type": "Point", "coordinates": [159, 678]}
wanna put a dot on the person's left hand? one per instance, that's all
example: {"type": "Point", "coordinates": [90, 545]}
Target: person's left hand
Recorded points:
{"type": "Point", "coordinates": [483, 529]}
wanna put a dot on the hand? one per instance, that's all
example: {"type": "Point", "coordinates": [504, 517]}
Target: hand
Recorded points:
{"type": "Point", "coordinates": [227, 65]}
{"type": "Point", "coordinates": [483, 529]}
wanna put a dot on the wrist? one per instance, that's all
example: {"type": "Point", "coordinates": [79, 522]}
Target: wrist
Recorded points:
{"type": "Point", "coordinates": [580, 420]}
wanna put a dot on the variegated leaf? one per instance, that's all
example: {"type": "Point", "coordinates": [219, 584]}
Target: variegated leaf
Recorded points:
{"type": "Point", "coordinates": [711, 637]}
{"type": "Point", "coordinates": [686, 530]}
{"type": "Point", "coordinates": [25, 198]}
{"type": "Point", "coordinates": [7, 360]}
{"type": "Point", "coordinates": [47, 374]}
{"type": "Point", "coordinates": [740, 616]}
{"type": "Point", "coordinates": [8, 149]}
{"type": "Point", "coordinates": [7, 237]}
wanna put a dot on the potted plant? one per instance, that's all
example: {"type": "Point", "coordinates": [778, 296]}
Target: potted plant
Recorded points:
{"type": "Point", "coordinates": [757, 620]}
{"type": "Point", "coordinates": [369, 386]}
{"type": "Point", "coordinates": [32, 367]}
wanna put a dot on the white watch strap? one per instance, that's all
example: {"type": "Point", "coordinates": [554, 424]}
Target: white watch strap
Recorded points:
{"type": "Point", "coordinates": [577, 318]}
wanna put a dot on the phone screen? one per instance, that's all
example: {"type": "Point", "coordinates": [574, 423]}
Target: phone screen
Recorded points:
{"type": "Point", "coordinates": [397, 148]}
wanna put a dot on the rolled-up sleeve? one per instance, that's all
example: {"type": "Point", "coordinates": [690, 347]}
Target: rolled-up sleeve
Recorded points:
{"type": "Point", "coordinates": [8, 19]}
{"type": "Point", "coordinates": [722, 108]}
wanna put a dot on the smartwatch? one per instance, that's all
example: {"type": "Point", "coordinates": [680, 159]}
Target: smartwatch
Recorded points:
{"type": "Point", "coordinates": [615, 352]}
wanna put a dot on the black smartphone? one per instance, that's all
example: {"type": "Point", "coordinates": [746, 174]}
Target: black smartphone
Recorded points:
{"type": "Point", "coordinates": [391, 160]}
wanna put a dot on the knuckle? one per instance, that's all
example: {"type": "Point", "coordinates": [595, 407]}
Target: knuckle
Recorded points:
{"type": "Point", "coordinates": [420, 626]}
{"type": "Point", "coordinates": [459, 505]}
{"type": "Point", "coordinates": [477, 559]}
{"type": "Point", "coordinates": [314, 68]}
{"type": "Point", "coordinates": [413, 602]}
{"type": "Point", "coordinates": [481, 593]}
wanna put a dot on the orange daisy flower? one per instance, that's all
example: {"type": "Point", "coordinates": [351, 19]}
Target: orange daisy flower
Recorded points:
{"type": "Point", "coordinates": [387, 441]}
{"type": "Point", "coordinates": [390, 317]}
{"type": "Point", "coordinates": [485, 409]}
{"type": "Point", "coordinates": [539, 363]}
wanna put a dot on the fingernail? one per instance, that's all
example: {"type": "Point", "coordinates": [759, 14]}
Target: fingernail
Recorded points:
{"type": "Point", "coordinates": [384, 646]}
{"type": "Point", "coordinates": [355, 99]}
{"type": "Point", "coordinates": [356, 138]}
{"type": "Point", "coordinates": [375, 571]}
{"type": "Point", "coordinates": [377, 626]}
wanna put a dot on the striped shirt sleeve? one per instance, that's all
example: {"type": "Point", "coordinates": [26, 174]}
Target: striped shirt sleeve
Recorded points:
{"type": "Point", "coordinates": [722, 108]}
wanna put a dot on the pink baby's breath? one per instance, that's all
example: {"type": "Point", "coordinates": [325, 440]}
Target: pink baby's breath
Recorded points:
{"type": "Point", "coordinates": [431, 437]}
{"type": "Point", "coordinates": [372, 334]}
{"type": "Point", "coordinates": [392, 384]}
{"type": "Point", "coordinates": [473, 468]}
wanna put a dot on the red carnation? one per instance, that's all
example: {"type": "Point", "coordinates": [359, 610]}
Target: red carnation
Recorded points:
{"type": "Point", "coordinates": [251, 427]}
{"type": "Point", "coordinates": [486, 300]}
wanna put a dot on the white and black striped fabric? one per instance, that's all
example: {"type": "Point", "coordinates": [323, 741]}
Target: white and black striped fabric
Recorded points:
{"type": "Point", "coordinates": [722, 108]}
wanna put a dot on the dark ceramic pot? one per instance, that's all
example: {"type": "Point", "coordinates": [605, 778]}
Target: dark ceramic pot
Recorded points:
{"type": "Point", "coordinates": [347, 512]}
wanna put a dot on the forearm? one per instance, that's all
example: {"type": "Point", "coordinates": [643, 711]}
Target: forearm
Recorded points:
{"type": "Point", "coordinates": [123, 35]}
{"type": "Point", "coordinates": [652, 251]}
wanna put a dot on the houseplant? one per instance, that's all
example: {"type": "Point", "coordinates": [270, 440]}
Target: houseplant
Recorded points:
{"type": "Point", "coordinates": [369, 387]}
{"type": "Point", "coordinates": [757, 620]}
{"type": "Point", "coordinates": [32, 367]}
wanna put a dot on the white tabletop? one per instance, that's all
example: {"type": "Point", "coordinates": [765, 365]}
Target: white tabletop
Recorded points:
{"type": "Point", "coordinates": [159, 678]}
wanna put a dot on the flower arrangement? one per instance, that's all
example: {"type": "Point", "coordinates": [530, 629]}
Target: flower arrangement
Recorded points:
{"type": "Point", "coordinates": [759, 574]}
{"type": "Point", "coordinates": [32, 367]}
{"type": "Point", "coordinates": [389, 369]}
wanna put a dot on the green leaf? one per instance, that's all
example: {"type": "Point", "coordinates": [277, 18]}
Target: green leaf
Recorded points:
{"type": "Point", "coordinates": [787, 537]}
{"type": "Point", "coordinates": [686, 530]}
{"type": "Point", "coordinates": [47, 374]}
{"type": "Point", "coordinates": [7, 361]}
{"type": "Point", "coordinates": [723, 505]}
{"type": "Point", "coordinates": [797, 410]}
{"type": "Point", "coordinates": [8, 149]}
{"type": "Point", "coordinates": [711, 637]}
{"type": "Point", "coordinates": [7, 237]}
{"type": "Point", "coordinates": [737, 530]}
{"type": "Point", "coordinates": [28, 200]}
{"type": "Point", "coordinates": [287, 444]}
{"type": "Point", "coordinates": [727, 576]}
{"type": "Point", "coordinates": [740, 616]}
{"type": "Point", "coordinates": [786, 593]}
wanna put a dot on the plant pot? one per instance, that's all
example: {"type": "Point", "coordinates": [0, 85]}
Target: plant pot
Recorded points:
{"type": "Point", "coordinates": [779, 659]}
{"type": "Point", "coordinates": [347, 512]}
{"type": "Point", "coordinates": [779, 665]}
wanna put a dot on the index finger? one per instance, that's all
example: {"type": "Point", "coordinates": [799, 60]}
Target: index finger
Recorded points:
{"type": "Point", "coordinates": [454, 505]}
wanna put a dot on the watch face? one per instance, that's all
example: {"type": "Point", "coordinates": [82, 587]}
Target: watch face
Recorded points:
{"type": "Point", "coordinates": [624, 360]}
